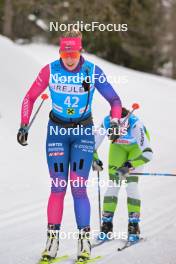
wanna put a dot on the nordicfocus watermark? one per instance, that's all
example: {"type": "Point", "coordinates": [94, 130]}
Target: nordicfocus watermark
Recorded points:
{"type": "Point", "coordinates": [93, 234]}
{"type": "Point", "coordinates": [80, 77]}
{"type": "Point", "coordinates": [90, 27]}
{"type": "Point", "coordinates": [80, 130]}
{"type": "Point", "coordinates": [81, 182]}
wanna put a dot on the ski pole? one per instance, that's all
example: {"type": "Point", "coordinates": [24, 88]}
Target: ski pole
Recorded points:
{"type": "Point", "coordinates": [44, 97]}
{"type": "Point", "coordinates": [153, 174]}
{"type": "Point", "coordinates": [99, 198]}
{"type": "Point", "coordinates": [135, 106]}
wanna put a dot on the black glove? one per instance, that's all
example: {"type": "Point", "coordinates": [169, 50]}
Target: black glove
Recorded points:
{"type": "Point", "coordinates": [22, 135]}
{"type": "Point", "coordinates": [97, 164]}
{"type": "Point", "coordinates": [124, 170]}
{"type": "Point", "coordinates": [114, 131]}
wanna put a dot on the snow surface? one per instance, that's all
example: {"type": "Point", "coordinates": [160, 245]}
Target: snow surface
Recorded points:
{"type": "Point", "coordinates": [24, 178]}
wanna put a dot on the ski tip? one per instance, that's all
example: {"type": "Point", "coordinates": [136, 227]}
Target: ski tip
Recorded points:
{"type": "Point", "coordinates": [135, 106]}
{"type": "Point", "coordinates": [44, 96]}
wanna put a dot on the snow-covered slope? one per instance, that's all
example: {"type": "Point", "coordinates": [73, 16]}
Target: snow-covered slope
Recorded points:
{"type": "Point", "coordinates": [24, 180]}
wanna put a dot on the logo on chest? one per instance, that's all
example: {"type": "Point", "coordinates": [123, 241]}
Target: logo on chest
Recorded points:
{"type": "Point", "coordinates": [67, 88]}
{"type": "Point", "coordinates": [70, 111]}
{"type": "Point", "coordinates": [123, 141]}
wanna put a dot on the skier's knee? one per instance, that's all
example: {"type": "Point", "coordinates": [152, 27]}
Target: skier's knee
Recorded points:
{"type": "Point", "coordinates": [58, 167]}
{"type": "Point", "coordinates": [58, 185]}
{"type": "Point", "coordinates": [78, 192]}
{"type": "Point", "coordinates": [78, 165]}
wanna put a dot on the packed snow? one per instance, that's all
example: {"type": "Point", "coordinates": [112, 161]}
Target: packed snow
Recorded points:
{"type": "Point", "coordinates": [24, 178]}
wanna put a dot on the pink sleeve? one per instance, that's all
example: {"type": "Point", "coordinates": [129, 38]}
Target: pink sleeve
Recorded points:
{"type": "Point", "coordinates": [38, 86]}
{"type": "Point", "coordinates": [116, 111]}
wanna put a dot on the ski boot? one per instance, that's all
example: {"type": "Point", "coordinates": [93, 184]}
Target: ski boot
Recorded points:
{"type": "Point", "coordinates": [133, 227]}
{"type": "Point", "coordinates": [52, 244]}
{"type": "Point", "coordinates": [107, 227]}
{"type": "Point", "coordinates": [84, 246]}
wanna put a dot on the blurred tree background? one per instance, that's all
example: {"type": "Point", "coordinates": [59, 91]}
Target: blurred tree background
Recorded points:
{"type": "Point", "coordinates": [149, 44]}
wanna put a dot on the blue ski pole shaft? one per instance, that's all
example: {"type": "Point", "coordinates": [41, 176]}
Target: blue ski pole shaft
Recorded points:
{"type": "Point", "coordinates": [153, 174]}
{"type": "Point", "coordinates": [99, 198]}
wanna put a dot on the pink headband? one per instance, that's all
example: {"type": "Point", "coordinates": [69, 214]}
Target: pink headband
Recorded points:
{"type": "Point", "coordinates": [67, 44]}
